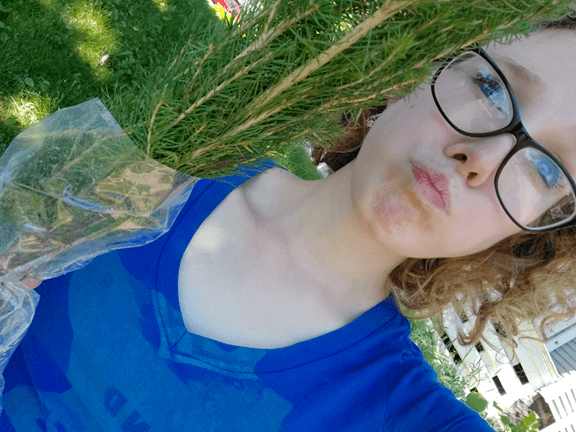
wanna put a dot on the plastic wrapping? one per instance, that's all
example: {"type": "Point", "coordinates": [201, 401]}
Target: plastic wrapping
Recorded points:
{"type": "Point", "coordinates": [72, 187]}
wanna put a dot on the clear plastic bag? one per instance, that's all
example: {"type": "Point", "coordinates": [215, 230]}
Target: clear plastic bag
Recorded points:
{"type": "Point", "coordinates": [72, 187]}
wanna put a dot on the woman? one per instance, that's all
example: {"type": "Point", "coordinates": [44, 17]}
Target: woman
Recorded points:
{"type": "Point", "coordinates": [267, 307]}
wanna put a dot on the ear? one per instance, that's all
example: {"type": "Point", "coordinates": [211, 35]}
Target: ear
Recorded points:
{"type": "Point", "coordinates": [392, 100]}
{"type": "Point", "coordinates": [394, 97]}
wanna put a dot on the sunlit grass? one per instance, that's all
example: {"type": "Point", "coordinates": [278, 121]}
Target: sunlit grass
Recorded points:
{"type": "Point", "coordinates": [29, 108]}
{"type": "Point", "coordinates": [162, 5]}
{"type": "Point", "coordinates": [59, 53]}
{"type": "Point", "coordinates": [96, 38]}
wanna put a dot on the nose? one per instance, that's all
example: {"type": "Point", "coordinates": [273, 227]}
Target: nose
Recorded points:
{"type": "Point", "coordinates": [480, 158]}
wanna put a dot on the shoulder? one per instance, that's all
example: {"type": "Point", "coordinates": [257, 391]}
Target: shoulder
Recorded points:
{"type": "Point", "coordinates": [269, 189]}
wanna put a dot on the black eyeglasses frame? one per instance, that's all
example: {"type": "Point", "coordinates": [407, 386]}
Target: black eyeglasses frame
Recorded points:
{"type": "Point", "coordinates": [515, 128]}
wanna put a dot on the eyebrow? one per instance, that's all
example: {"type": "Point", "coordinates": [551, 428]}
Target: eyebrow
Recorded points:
{"type": "Point", "coordinates": [535, 83]}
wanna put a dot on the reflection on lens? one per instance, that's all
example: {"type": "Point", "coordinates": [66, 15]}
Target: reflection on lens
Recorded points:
{"type": "Point", "coordinates": [473, 96]}
{"type": "Point", "coordinates": [535, 191]}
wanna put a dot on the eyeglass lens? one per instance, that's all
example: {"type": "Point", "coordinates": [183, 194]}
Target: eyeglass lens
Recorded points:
{"type": "Point", "coordinates": [533, 188]}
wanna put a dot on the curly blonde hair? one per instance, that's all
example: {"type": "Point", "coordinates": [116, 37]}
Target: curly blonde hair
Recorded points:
{"type": "Point", "coordinates": [525, 277]}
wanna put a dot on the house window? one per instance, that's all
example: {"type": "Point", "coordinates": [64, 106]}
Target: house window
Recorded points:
{"type": "Point", "coordinates": [479, 347]}
{"type": "Point", "coordinates": [499, 385]}
{"type": "Point", "coordinates": [453, 352]}
{"type": "Point", "coordinates": [500, 330]}
{"type": "Point", "coordinates": [521, 374]}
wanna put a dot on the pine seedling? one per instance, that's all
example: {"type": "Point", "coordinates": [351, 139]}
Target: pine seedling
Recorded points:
{"type": "Point", "coordinates": [284, 73]}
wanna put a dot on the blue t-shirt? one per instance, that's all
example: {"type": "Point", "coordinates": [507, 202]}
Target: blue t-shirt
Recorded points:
{"type": "Point", "coordinates": [108, 351]}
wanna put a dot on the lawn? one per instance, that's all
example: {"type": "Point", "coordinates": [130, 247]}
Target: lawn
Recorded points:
{"type": "Point", "coordinates": [59, 53]}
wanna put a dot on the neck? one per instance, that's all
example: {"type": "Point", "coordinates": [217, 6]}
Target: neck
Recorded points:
{"type": "Point", "coordinates": [318, 233]}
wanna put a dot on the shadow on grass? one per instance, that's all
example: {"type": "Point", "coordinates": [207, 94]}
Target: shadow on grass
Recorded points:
{"type": "Point", "coordinates": [53, 50]}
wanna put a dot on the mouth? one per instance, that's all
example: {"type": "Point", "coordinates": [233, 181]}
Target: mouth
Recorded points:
{"type": "Point", "coordinates": [433, 187]}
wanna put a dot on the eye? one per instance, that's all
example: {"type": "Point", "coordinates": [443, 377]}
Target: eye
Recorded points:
{"type": "Point", "coordinates": [493, 90]}
{"type": "Point", "coordinates": [547, 169]}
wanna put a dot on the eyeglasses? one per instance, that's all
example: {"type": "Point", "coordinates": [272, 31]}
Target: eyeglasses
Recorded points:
{"type": "Point", "coordinates": [533, 187]}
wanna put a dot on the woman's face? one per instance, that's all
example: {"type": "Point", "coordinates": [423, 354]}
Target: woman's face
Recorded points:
{"type": "Point", "coordinates": [412, 133]}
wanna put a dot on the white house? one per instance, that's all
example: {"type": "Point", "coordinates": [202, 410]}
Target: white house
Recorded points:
{"type": "Point", "coordinates": [541, 377]}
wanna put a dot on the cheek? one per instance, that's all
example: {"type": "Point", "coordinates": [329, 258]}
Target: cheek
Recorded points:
{"type": "Point", "coordinates": [478, 225]}
{"type": "Point", "coordinates": [396, 206]}
{"type": "Point", "coordinates": [426, 130]}
{"type": "Point", "coordinates": [394, 214]}
{"type": "Point", "coordinates": [442, 131]}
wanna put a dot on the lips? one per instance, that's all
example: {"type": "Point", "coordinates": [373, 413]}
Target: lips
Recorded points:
{"type": "Point", "coordinates": [433, 186]}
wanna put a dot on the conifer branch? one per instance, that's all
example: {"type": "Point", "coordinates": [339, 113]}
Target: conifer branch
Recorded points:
{"type": "Point", "coordinates": [151, 123]}
{"type": "Point", "coordinates": [375, 71]}
{"type": "Point", "coordinates": [236, 131]}
{"type": "Point", "coordinates": [179, 56]}
{"type": "Point", "coordinates": [198, 66]}
{"type": "Point", "coordinates": [271, 16]}
{"type": "Point", "coordinates": [288, 69]}
{"type": "Point", "coordinates": [345, 42]}
{"type": "Point", "coordinates": [247, 24]}
{"type": "Point", "coordinates": [195, 134]}
{"type": "Point", "coordinates": [203, 99]}
{"type": "Point", "coordinates": [269, 36]}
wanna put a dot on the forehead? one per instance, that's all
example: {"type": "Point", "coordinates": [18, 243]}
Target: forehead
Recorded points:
{"type": "Point", "coordinates": [549, 113]}
{"type": "Point", "coordinates": [550, 54]}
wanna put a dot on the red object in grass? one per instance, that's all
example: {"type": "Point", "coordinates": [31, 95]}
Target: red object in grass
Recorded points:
{"type": "Point", "coordinates": [231, 6]}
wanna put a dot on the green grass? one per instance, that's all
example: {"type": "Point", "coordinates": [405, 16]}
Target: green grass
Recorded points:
{"type": "Point", "coordinates": [53, 48]}
{"type": "Point", "coordinates": [59, 53]}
